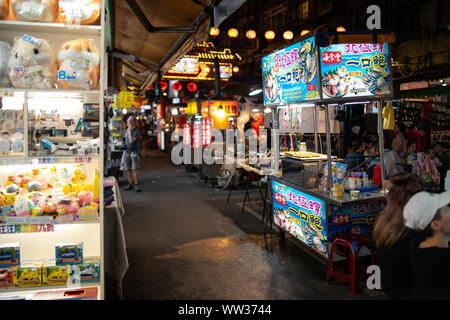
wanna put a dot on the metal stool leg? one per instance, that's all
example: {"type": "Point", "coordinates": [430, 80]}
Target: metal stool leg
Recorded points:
{"type": "Point", "coordinates": [231, 187]}
{"type": "Point", "coordinates": [246, 194]}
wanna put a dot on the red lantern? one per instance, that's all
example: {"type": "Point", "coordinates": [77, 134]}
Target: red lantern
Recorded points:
{"type": "Point", "coordinates": [192, 86]}
{"type": "Point", "coordinates": [163, 85]}
{"type": "Point", "coordinates": [177, 86]}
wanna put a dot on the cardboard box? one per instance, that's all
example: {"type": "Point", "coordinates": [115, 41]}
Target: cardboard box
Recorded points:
{"type": "Point", "coordinates": [69, 253]}
{"type": "Point", "coordinates": [28, 274]}
{"type": "Point", "coordinates": [9, 255]}
{"type": "Point", "coordinates": [53, 275]}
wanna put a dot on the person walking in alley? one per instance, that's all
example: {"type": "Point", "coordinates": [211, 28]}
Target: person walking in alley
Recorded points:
{"type": "Point", "coordinates": [132, 153]}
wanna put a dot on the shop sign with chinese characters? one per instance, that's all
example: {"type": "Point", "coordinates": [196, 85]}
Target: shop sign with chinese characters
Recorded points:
{"type": "Point", "coordinates": [26, 228]}
{"type": "Point", "coordinates": [206, 131]}
{"type": "Point", "coordinates": [302, 215]}
{"type": "Point", "coordinates": [126, 99]}
{"type": "Point", "coordinates": [196, 135]}
{"type": "Point", "coordinates": [355, 70]}
{"type": "Point", "coordinates": [291, 74]}
{"type": "Point", "coordinates": [358, 218]}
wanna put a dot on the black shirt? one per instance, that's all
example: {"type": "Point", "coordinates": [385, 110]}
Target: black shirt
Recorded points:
{"type": "Point", "coordinates": [396, 274]}
{"type": "Point", "coordinates": [430, 270]}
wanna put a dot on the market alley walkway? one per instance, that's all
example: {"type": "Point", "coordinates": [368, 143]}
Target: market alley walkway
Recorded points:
{"type": "Point", "coordinates": [185, 242]}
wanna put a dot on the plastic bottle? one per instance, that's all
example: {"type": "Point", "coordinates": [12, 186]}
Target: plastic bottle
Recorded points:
{"type": "Point", "coordinates": [96, 186]}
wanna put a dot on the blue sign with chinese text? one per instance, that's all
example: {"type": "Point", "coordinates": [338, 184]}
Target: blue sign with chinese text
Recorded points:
{"type": "Point", "coordinates": [302, 215]}
{"type": "Point", "coordinates": [355, 70]}
{"type": "Point", "coordinates": [290, 74]}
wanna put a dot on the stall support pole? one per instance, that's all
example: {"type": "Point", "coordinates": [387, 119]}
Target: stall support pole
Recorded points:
{"type": "Point", "coordinates": [316, 137]}
{"type": "Point", "coordinates": [327, 125]}
{"type": "Point", "coordinates": [381, 141]}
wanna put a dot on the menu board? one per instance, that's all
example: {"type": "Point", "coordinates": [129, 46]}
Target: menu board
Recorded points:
{"type": "Point", "coordinates": [355, 70]}
{"type": "Point", "coordinates": [302, 215]}
{"type": "Point", "coordinates": [290, 74]}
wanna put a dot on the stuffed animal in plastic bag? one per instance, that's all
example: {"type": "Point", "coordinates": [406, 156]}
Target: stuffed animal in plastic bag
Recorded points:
{"type": "Point", "coordinates": [35, 10]}
{"type": "Point", "coordinates": [78, 65]}
{"type": "Point", "coordinates": [4, 8]}
{"type": "Point", "coordinates": [79, 11]}
{"type": "Point", "coordinates": [32, 64]}
{"type": "Point", "coordinates": [5, 52]}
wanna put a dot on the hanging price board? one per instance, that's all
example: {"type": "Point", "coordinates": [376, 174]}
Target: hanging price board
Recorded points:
{"type": "Point", "coordinates": [126, 99]}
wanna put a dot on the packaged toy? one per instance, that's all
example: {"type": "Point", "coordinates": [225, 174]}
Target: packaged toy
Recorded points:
{"type": "Point", "coordinates": [35, 10]}
{"type": "Point", "coordinates": [53, 274]}
{"type": "Point", "coordinates": [78, 65]}
{"type": "Point", "coordinates": [4, 8]}
{"type": "Point", "coordinates": [6, 277]}
{"type": "Point", "coordinates": [23, 206]}
{"type": "Point", "coordinates": [79, 11]}
{"type": "Point", "coordinates": [69, 253]}
{"type": "Point", "coordinates": [28, 274]}
{"type": "Point", "coordinates": [5, 52]}
{"type": "Point", "coordinates": [9, 255]}
{"type": "Point", "coordinates": [5, 142]}
{"type": "Point", "coordinates": [85, 198]}
{"type": "Point", "coordinates": [68, 207]}
{"type": "Point", "coordinates": [88, 213]}
{"type": "Point", "coordinates": [32, 64]}
{"type": "Point", "coordinates": [88, 271]}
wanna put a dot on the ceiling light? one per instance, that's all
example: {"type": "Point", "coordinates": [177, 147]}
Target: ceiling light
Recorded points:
{"type": "Point", "coordinates": [214, 32]}
{"type": "Point", "coordinates": [269, 35]}
{"type": "Point", "coordinates": [251, 34]}
{"type": "Point", "coordinates": [233, 33]}
{"type": "Point", "coordinates": [340, 29]}
{"type": "Point", "coordinates": [255, 92]}
{"type": "Point", "coordinates": [288, 35]}
{"type": "Point", "coordinates": [304, 32]}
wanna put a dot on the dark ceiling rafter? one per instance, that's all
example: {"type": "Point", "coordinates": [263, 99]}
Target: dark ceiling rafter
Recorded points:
{"type": "Point", "coordinates": [129, 57]}
{"type": "Point", "coordinates": [140, 15]}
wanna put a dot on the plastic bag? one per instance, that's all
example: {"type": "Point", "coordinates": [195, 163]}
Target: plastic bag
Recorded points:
{"type": "Point", "coordinates": [35, 10]}
{"type": "Point", "coordinates": [79, 11]}
{"type": "Point", "coordinates": [78, 65]}
{"type": "Point", "coordinates": [32, 64]}
{"type": "Point", "coordinates": [5, 52]}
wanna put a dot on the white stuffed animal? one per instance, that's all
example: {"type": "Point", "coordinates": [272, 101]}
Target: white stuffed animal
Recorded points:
{"type": "Point", "coordinates": [79, 11]}
{"type": "Point", "coordinates": [5, 52]}
{"type": "Point", "coordinates": [35, 10]}
{"type": "Point", "coordinates": [32, 64]}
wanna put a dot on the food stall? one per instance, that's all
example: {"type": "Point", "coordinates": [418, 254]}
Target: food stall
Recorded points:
{"type": "Point", "coordinates": [307, 83]}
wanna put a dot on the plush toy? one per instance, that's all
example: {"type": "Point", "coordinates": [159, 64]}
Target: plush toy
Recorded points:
{"type": "Point", "coordinates": [79, 11]}
{"type": "Point", "coordinates": [35, 10]}
{"type": "Point", "coordinates": [37, 211]}
{"type": "Point", "coordinates": [14, 188]}
{"type": "Point", "coordinates": [32, 64]}
{"type": "Point", "coordinates": [5, 52]}
{"type": "Point", "coordinates": [34, 186]}
{"type": "Point", "coordinates": [23, 206]}
{"type": "Point", "coordinates": [4, 8]}
{"type": "Point", "coordinates": [34, 196]}
{"type": "Point", "coordinates": [78, 65]}
{"type": "Point", "coordinates": [68, 207]}
{"type": "Point", "coordinates": [8, 211]}
{"type": "Point", "coordinates": [8, 199]}
{"type": "Point", "coordinates": [5, 142]}
{"type": "Point", "coordinates": [85, 198]}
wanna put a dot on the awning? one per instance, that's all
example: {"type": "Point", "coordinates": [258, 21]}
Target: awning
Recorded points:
{"type": "Point", "coordinates": [150, 35]}
{"type": "Point", "coordinates": [425, 92]}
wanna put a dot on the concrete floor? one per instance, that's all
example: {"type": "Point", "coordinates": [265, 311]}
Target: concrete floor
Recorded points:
{"type": "Point", "coordinates": [185, 242]}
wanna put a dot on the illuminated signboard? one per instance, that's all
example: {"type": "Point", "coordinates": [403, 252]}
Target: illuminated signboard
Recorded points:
{"type": "Point", "coordinates": [187, 135]}
{"type": "Point", "coordinates": [355, 70]}
{"type": "Point", "coordinates": [206, 131]}
{"type": "Point", "coordinates": [192, 107]}
{"type": "Point", "coordinates": [291, 74]}
{"type": "Point", "coordinates": [185, 65]}
{"type": "Point", "coordinates": [302, 215]}
{"type": "Point", "coordinates": [205, 71]}
{"type": "Point", "coordinates": [126, 99]}
{"type": "Point", "coordinates": [220, 111]}
{"type": "Point", "coordinates": [197, 131]}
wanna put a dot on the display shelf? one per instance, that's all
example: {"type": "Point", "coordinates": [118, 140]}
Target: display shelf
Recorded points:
{"type": "Point", "coordinates": [24, 26]}
{"type": "Point", "coordinates": [25, 291]}
{"type": "Point", "coordinates": [53, 92]}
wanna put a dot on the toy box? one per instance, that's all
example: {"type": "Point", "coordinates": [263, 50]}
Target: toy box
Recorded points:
{"type": "Point", "coordinates": [9, 255]}
{"type": "Point", "coordinates": [28, 274]}
{"type": "Point", "coordinates": [89, 271]}
{"type": "Point", "coordinates": [69, 253]}
{"type": "Point", "coordinates": [6, 277]}
{"type": "Point", "coordinates": [53, 274]}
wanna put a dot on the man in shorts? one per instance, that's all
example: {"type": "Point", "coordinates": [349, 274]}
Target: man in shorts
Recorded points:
{"type": "Point", "coordinates": [132, 144]}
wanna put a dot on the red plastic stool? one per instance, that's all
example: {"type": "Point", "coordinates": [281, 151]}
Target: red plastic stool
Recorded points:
{"type": "Point", "coordinates": [352, 243]}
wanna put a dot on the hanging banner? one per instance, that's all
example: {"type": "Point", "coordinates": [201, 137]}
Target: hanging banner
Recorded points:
{"type": "Point", "coordinates": [302, 215]}
{"type": "Point", "coordinates": [126, 99]}
{"type": "Point", "coordinates": [196, 135]}
{"type": "Point", "coordinates": [206, 131]}
{"type": "Point", "coordinates": [355, 70]}
{"type": "Point", "coordinates": [290, 74]}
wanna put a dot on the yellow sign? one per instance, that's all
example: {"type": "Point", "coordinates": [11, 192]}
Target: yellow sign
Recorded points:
{"type": "Point", "coordinates": [126, 99]}
{"type": "Point", "coordinates": [220, 111]}
{"type": "Point", "coordinates": [192, 107]}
